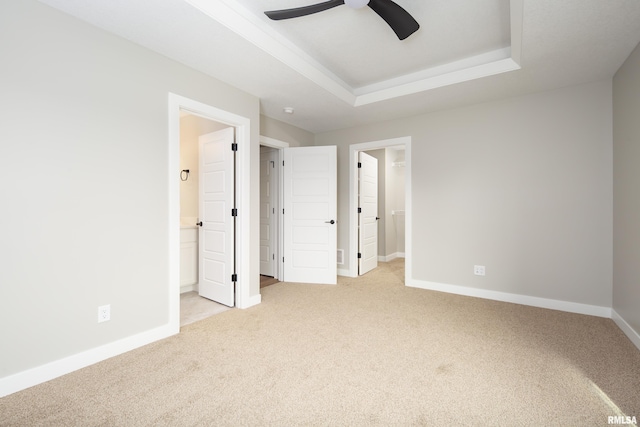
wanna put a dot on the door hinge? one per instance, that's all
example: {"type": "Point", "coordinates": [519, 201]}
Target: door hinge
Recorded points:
{"type": "Point", "coordinates": [359, 210]}
{"type": "Point", "coordinates": [283, 163]}
{"type": "Point", "coordinates": [359, 255]}
{"type": "Point", "coordinates": [234, 277]}
{"type": "Point", "coordinates": [282, 211]}
{"type": "Point", "coordinates": [282, 259]}
{"type": "Point", "coordinates": [359, 165]}
{"type": "Point", "coordinates": [234, 146]}
{"type": "Point", "coordinates": [273, 257]}
{"type": "Point", "coordinates": [234, 212]}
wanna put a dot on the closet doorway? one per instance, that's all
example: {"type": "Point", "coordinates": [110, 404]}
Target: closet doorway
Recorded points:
{"type": "Point", "coordinates": [271, 221]}
{"type": "Point", "coordinates": [394, 202]}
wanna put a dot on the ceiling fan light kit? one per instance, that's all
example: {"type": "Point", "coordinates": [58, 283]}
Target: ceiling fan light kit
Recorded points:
{"type": "Point", "coordinates": [400, 21]}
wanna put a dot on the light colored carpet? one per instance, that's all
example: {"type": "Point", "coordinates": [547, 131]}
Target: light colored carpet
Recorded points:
{"type": "Point", "coordinates": [368, 351]}
{"type": "Point", "coordinates": [193, 307]}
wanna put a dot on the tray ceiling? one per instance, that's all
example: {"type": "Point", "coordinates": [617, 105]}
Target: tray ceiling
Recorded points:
{"type": "Point", "coordinates": [344, 67]}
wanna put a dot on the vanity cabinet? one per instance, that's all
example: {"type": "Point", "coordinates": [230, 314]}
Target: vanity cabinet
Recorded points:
{"type": "Point", "coordinates": [188, 259]}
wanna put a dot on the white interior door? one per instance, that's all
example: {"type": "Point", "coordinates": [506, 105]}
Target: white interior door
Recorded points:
{"type": "Point", "coordinates": [268, 203]}
{"type": "Point", "coordinates": [310, 209]}
{"type": "Point", "coordinates": [217, 224]}
{"type": "Point", "coordinates": [368, 213]}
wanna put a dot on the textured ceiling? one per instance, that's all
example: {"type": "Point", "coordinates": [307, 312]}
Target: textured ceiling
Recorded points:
{"type": "Point", "coordinates": [328, 65]}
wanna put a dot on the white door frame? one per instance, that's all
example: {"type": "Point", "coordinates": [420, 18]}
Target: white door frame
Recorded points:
{"type": "Point", "coordinates": [269, 175]}
{"type": "Point", "coordinates": [354, 149]}
{"type": "Point", "coordinates": [243, 168]}
{"type": "Point", "coordinates": [279, 145]}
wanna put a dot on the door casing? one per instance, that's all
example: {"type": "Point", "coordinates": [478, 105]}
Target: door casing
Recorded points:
{"type": "Point", "coordinates": [280, 146]}
{"type": "Point", "coordinates": [243, 201]}
{"type": "Point", "coordinates": [354, 149]}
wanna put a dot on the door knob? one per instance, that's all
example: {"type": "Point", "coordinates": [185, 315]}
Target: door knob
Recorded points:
{"type": "Point", "coordinates": [199, 223]}
{"type": "Point", "coordinates": [330, 222]}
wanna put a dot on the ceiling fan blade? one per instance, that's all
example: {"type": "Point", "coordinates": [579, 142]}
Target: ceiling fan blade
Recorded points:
{"type": "Point", "coordinates": [302, 11]}
{"type": "Point", "coordinates": [398, 19]}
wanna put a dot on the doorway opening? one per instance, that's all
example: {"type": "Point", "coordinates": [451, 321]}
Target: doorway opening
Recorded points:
{"type": "Point", "coordinates": [178, 106]}
{"type": "Point", "coordinates": [202, 294]}
{"type": "Point", "coordinates": [304, 245]}
{"type": "Point", "coordinates": [393, 218]}
{"type": "Point", "coordinates": [271, 205]}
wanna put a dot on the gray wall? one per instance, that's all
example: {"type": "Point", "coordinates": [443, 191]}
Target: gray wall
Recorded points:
{"type": "Point", "coordinates": [285, 132]}
{"type": "Point", "coordinates": [84, 183]}
{"type": "Point", "coordinates": [522, 186]}
{"type": "Point", "coordinates": [626, 190]}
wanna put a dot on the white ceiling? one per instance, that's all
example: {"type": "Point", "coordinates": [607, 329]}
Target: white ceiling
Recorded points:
{"type": "Point", "coordinates": [344, 67]}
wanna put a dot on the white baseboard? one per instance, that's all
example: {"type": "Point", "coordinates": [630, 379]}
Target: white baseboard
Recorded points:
{"type": "Point", "coordinates": [254, 300]}
{"type": "Point", "coordinates": [344, 272]}
{"type": "Point", "coordinates": [34, 376]}
{"type": "Point", "coordinates": [633, 335]}
{"type": "Point", "coordinates": [391, 257]}
{"type": "Point", "coordinates": [571, 307]}
{"type": "Point", "coordinates": [188, 288]}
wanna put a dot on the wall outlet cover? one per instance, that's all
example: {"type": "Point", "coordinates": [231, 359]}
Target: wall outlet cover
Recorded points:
{"type": "Point", "coordinates": [479, 270]}
{"type": "Point", "coordinates": [104, 313]}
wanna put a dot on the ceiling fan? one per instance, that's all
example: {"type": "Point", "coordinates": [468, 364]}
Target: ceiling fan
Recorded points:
{"type": "Point", "coordinates": [398, 19]}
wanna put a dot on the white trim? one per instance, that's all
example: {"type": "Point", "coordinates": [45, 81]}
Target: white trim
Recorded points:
{"type": "Point", "coordinates": [344, 272]}
{"type": "Point", "coordinates": [390, 257]}
{"type": "Point", "coordinates": [243, 200]}
{"type": "Point", "coordinates": [188, 288]}
{"type": "Point", "coordinates": [38, 375]}
{"type": "Point", "coordinates": [353, 195]}
{"type": "Point", "coordinates": [274, 143]}
{"type": "Point", "coordinates": [243, 22]}
{"type": "Point", "coordinates": [632, 334]}
{"type": "Point", "coordinates": [571, 307]}
{"type": "Point", "coordinates": [280, 145]}
{"type": "Point", "coordinates": [387, 258]}
{"type": "Point", "coordinates": [436, 78]}
{"type": "Point", "coordinates": [253, 300]}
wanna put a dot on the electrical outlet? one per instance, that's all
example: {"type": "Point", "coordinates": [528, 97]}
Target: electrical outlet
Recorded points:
{"type": "Point", "coordinates": [104, 313]}
{"type": "Point", "coordinates": [478, 270]}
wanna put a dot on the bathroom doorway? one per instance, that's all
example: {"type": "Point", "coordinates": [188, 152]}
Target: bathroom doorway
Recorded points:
{"type": "Point", "coordinates": [179, 105]}
{"type": "Point", "coordinates": [193, 305]}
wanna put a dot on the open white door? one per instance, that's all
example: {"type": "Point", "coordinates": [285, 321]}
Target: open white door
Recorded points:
{"type": "Point", "coordinates": [368, 213]}
{"type": "Point", "coordinates": [217, 224]}
{"type": "Point", "coordinates": [268, 217]}
{"type": "Point", "coordinates": [310, 209]}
